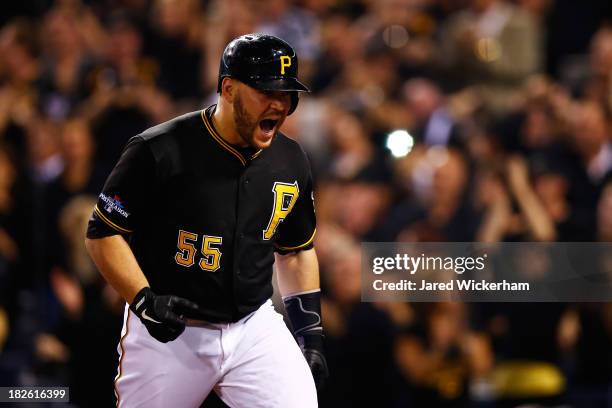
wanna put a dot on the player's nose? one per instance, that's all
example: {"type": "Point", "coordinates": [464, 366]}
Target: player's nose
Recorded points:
{"type": "Point", "coordinates": [280, 101]}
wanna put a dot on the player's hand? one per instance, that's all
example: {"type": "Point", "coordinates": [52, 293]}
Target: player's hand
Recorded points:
{"type": "Point", "coordinates": [311, 344]}
{"type": "Point", "coordinates": [304, 311]}
{"type": "Point", "coordinates": [162, 315]}
{"type": "Point", "coordinates": [313, 353]}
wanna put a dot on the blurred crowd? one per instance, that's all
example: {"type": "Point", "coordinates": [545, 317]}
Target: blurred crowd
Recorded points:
{"type": "Point", "coordinates": [429, 121]}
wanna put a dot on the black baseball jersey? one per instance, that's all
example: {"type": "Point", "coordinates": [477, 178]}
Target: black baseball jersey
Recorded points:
{"type": "Point", "coordinates": [204, 217]}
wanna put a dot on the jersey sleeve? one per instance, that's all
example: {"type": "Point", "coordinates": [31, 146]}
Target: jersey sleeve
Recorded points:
{"type": "Point", "coordinates": [297, 231]}
{"type": "Point", "coordinates": [121, 203]}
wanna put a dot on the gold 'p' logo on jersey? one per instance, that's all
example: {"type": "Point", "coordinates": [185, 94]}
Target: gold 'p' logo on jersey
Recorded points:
{"type": "Point", "coordinates": [285, 196]}
{"type": "Point", "coordinates": [285, 63]}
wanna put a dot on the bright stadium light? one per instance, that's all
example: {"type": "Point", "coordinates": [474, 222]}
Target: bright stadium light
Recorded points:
{"type": "Point", "coordinates": [399, 142]}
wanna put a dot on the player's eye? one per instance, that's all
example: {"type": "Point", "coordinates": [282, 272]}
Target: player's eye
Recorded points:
{"type": "Point", "coordinates": [276, 95]}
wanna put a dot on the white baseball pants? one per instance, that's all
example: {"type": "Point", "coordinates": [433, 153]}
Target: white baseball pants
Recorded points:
{"type": "Point", "coordinates": [252, 363]}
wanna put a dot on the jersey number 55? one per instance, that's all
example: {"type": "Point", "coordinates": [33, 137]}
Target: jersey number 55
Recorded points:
{"type": "Point", "coordinates": [211, 254]}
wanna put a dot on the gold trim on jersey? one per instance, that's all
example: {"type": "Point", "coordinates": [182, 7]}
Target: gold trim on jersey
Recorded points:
{"type": "Point", "coordinates": [299, 246]}
{"type": "Point", "coordinates": [213, 132]}
{"type": "Point", "coordinates": [109, 222]}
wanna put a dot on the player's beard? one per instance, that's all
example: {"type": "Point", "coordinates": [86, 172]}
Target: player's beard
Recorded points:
{"type": "Point", "coordinates": [245, 126]}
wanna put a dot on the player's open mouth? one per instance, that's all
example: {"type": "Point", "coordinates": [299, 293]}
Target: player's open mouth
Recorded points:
{"type": "Point", "coordinates": [268, 125]}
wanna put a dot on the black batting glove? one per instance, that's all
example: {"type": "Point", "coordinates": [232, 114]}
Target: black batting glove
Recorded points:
{"type": "Point", "coordinates": [313, 353]}
{"type": "Point", "coordinates": [304, 311]}
{"type": "Point", "coordinates": [162, 315]}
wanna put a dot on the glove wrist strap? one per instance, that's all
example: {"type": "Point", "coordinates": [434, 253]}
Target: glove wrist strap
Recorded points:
{"type": "Point", "coordinates": [140, 300]}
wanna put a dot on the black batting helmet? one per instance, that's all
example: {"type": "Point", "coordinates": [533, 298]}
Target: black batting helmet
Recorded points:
{"type": "Point", "coordinates": [263, 62]}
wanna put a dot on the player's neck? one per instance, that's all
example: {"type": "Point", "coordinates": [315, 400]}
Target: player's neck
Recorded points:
{"type": "Point", "coordinates": [223, 121]}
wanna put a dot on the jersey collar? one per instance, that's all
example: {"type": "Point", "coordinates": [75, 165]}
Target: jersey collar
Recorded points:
{"type": "Point", "coordinates": [206, 118]}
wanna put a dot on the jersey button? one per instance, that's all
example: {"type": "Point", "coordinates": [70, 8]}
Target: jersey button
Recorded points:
{"type": "Point", "coordinates": [246, 182]}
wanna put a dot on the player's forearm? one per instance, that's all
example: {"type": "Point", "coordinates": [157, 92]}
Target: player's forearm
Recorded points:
{"type": "Point", "coordinates": [298, 282]}
{"type": "Point", "coordinates": [116, 262]}
{"type": "Point", "coordinates": [297, 272]}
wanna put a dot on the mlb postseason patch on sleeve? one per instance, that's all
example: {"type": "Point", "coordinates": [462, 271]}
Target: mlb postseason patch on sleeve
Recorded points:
{"type": "Point", "coordinates": [111, 210]}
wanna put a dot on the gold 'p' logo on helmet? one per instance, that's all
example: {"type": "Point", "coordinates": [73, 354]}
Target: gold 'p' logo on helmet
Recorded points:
{"type": "Point", "coordinates": [285, 62]}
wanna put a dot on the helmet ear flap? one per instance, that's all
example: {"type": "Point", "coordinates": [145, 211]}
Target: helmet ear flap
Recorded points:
{"type": "Point", "coordinates": [294, 102]}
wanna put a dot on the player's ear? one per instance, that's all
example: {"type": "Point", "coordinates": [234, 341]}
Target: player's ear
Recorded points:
{"type": "Point", "coordinates": [228, 89]}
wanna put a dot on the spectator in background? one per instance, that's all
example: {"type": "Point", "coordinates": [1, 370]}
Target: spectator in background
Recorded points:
{"type": "Point", "coordinates": [225, 20]}
{"type": "Point", "coordinates": [563, 46]}
{"type": "Point", "coordinates": [90, 313]}
{"type": "Point", "coordinates": [362, 205]}
{"type": "Point", "coordinates": [598, 84]}
{"type": "Point", "coordinates": [498, 193]}
{"type": "Point", "coordinates": [383, 110]}
{"type": "Point", "coordinates": [309, 126]}
{"type": "Point", "coordinates": [551, 184]}
{"type": "Point", "coordinates": [352, 151]}
{"type": "Point", "coordinates": [295, 25]}
{"type": "Point", "coordinates": [588, 331]}
{"type": "Point", "coordinates": [4, 327]}
{"type": "Point", "coordinates": [604, 214]}
{"type": "Point", "coordinates": [19, 47]}
{"type": "Point", "coordinates": [67, 61]}
{"type": "Point", "coordinates": [19, 69]}
{"type": "Point", "coordinates": [79, 176]}
{"type": "Point", "coordinates": [433, 123]}
{"type": "Point", "coordinates": [493, 45]}
{"type": "Point", "coordinates": [590, 141]}
{"type": "Point", "coordinates": [438, 183]}
{"type": "Point", "coordinates": [17, 272]}
{"type": "Point", "coordinates": [124, 63]}
{"type": "Point", "coordinates": [176, 42]}
{"type": "Point", "coordinates": [591, 364]}
{"type": "Point", "coordinates": [358, 192]}
{"type": "Point", "coordinates": [9, 250]}
{"type": "Point", "coordinates": [360, 335]}
{"type": "Point", "coordinates": [419, 57]}
{"type": "Point", "coordinates": [44, 156]}
{"type": "Point", "coordinates": [439, 357]}
{"type": "Point", "coordinates": [126, 98]}
{"type": "Point", "coordinates": [341, 45]}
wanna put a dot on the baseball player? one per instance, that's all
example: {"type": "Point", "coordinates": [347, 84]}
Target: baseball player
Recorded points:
{"type": "Point", "coordinates": [187, 228]}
